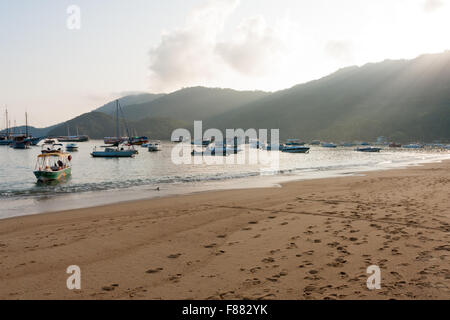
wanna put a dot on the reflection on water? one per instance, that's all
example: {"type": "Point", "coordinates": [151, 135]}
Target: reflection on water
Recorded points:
{"type": "Point", "coordinates": [53, 183]}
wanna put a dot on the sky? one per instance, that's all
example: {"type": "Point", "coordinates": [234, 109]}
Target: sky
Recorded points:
{"type": "Point", "coordinates": [57, 62]}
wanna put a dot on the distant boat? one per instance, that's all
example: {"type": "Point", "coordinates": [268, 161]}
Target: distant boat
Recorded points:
{"type": "Point", "coordinates": [70, 138]}
{"type": "Point", "coordinates": [154, 146]}
{"type": "Point", "coordinates": [447, 147]}
{"type": "Point", "coordinates": [217, 149]}
{"type": "Point", "coordinates": [53, 166]}
{"type": "Point", "coordinates": [115, 140]}
{"type": "Point", "coordinates": [35, 141]}
{"type": "Point", "coordinates": [5, 138]}
{"type": "Point", "coordinates": [72, 147]}
{"type": "Point", "coordinates": [368, 149]}
{"type": "Point", "coordinates": [179, 140]}
{"type": "Point", "coordinates": [5, 141]}
{"type": "Point", "coordinates": [73, 138]}
{"type": "Point", "coordinates": [20, 142]}
{"type": "Point", "coordinates": [348, 144]}
{"type": "Point", "coordinates": [114, 152]}
{"type": "Point", "coordinates": [329, 145]}
{"type": "Point", "coordinates": [413, 146]}
{"type": "Point", "coordinates": [315, 143]}
{"type": "Point", "coordinates": [295, 149]}
{"type": "Point", "coordinates": [394, 145]}
{"type": "Point", "coordinates": [117, 150]}
{"type": "Point", "coordinates": [137, 141]}
{"type": "Point", "coordinates": [204, 142]}
{"type": "Point", "coordinates": [294, 142]}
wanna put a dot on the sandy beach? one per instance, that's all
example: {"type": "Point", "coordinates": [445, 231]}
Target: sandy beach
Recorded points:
{"type": "Point", "coordinates": [307, 240]}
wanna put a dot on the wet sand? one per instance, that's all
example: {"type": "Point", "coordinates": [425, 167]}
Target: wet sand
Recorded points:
{"type": "Point", "coordinates": [307, 240]}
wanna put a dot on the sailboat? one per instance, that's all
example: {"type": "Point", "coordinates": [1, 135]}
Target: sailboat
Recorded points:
{"type": "Point", "coordinates": [21, 141]}
{"type": "Point", "coordinates": [69, 138]}
{"type": "Point", "coordinates": [116, 150]}
{"type": "Point", "coordinates": [5, 137]}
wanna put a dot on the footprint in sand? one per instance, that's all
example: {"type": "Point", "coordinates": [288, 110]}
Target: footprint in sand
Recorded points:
{"type": "Point", "coordinates": [151, 271]}
{"type": "Point", "coordinates": [110, 288]}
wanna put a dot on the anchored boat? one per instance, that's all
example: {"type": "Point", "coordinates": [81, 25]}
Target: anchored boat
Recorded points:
{"type": "Point", "coordinates": [72, 147]}
{"type": "Point", "coordinates": [295, 149]}
{"type": "Point", "coordinates": [21, 142]}
{"type": "Point", "coordinates": [368, 149]}
{"type": "Point", "coordinates": [329, 145]}
{"type": "Point", "coordinates": [114, 152]}
{"type": "Point", "coordinates": [117, 150]}
{"type": "Point", "coordinates": [53, 166]}
{"type": "Point", "coordinates": [154, 146]}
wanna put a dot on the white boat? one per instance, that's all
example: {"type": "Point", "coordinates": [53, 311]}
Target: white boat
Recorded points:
{"type": "Point", "coordinates": [154, 146]}
{"type": "Point", "coordinates": [72, 147]}
{"type": "Point", "coordinates": [217, 149]}
{"type": "Point", "coordinates": [114, 152]}
{"type": "Point", "coordinates": [329, 145]}
{"type": "Point", "coordinates": [117, 150]}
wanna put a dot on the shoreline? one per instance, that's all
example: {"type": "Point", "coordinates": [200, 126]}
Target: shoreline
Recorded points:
{"type": "Point", "coordinates": [310, 239]}
{"type": "Point", "coordinates": [64, 202]}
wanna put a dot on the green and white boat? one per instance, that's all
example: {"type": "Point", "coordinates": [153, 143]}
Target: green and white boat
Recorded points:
{"type": "Point", "coordinates": [53, 166]}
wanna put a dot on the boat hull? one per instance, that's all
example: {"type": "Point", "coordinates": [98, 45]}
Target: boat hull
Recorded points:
{"type": "Point", "coordinates": [372, 150]}
{"type": "Point", "coordinates": [35, 141]}
{"type": "Point", "coordinates": [21, 145]}
{"type": "Point", "coordinates": [46, 176]}
{"type": "Point", "coordinates": [117, 154]}
{"type": "Point", "coordinates": [5, 142]}
{"type": "Point", "coordinates": [295, 150]}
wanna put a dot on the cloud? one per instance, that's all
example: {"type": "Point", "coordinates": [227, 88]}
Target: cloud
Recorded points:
{"type": "Point", "coordinates": [201, 53]}
{"type": "Point", "coordinates": [254, 49]}
{"type": "Point", "coordinates": [341, 51]}
{"type": "Point", "coordinates": [432, 5]}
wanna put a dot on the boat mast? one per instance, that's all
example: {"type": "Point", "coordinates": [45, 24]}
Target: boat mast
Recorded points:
{"type": "Point", "coordinates": [117, 120]}
{"type": "Point", "coordinates": [124, 120]}
{"type": "Point", "coordinates": [7, 126]}
{"type": "Point", "coordinates": [26, 124]}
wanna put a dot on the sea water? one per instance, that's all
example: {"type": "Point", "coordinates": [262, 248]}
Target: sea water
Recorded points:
{"type": "Point", "coordinates": [98, 181]}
